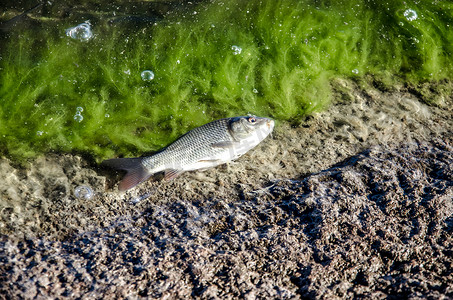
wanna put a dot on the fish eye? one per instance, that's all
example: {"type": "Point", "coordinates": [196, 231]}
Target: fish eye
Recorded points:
{"type": "Point", "coordinates": [252, 120]}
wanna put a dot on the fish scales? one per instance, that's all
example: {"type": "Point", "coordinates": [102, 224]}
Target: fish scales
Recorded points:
{"type": "Point", "coordinates": [207, 146]}
{"type": "Point", "coordinates": [193, 146]}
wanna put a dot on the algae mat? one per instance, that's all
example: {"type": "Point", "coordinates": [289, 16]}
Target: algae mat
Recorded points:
{"type": "Point", "coordinates": [130, 77]}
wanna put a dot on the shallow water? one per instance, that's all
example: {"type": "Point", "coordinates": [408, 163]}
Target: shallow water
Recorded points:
{"type": "Point", "coordinates": [145, 73]}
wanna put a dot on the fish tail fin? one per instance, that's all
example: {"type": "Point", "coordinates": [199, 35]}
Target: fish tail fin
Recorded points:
{"type": "Point", "coordinates": [136, 172]}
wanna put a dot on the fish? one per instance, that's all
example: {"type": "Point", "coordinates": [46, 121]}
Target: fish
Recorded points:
{"type": "Point", "coordinates": [204, 147]}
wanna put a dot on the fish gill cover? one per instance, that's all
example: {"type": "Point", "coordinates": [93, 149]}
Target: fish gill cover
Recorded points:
{"type": "Point", "coordinates": [111, 90]}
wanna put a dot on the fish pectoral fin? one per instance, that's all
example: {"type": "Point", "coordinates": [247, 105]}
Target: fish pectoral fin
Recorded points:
{"type": "Point", "coordinates": [210, 163]}
{"type": "Point", "coordinates": [225, 144]}
{"type": "Point", "coordinates": [209, 160]}
{"type": "Point", "coordinates": [171, 174]}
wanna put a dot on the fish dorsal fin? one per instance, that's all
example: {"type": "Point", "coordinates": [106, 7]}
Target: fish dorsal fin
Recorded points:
{"type": "Point", "coordinates": [171, 174]}
{"type": "Point", "coordinates": [224, 144]}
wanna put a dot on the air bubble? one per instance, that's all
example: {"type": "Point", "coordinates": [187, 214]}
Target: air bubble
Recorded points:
{"type": "Point", "coordinates": [81, 32]}
{"type": "Point", "coordinates": [255, 91]}
{"type": "Point", "coordinates": [236, 49]}
{"type": "Point", "coordinates": [147, 75]}
{"type": "Point", "coordinates": [78, 117]}
{"type": "Point", "coordinates": [83, 192]}
{"type": "Point", "coordinates": [39, 133]}
{"type": "Point", "coordinates": [79, 109]}
{"type": "Point", "coordinates": [410, 14]}
{"type": "Point", "coordinates": [355, 71]}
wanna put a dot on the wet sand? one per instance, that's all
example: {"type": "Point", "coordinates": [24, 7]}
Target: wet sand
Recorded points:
{"type": "Point", "coordinates": [356, 201]}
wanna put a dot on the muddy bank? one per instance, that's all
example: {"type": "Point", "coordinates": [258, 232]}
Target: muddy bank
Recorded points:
{"type": "Point", "coordinates": [356, 201]}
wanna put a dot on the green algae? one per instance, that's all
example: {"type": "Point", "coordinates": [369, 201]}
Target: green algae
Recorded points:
{"type": "Point", "coordinates": [290, 52]}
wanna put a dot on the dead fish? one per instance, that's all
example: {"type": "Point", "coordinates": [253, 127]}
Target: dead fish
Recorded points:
{"type": "Point", "coordinates": [204, 147]}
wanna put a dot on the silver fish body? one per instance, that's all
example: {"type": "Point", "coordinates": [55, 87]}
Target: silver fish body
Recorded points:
{"type": "Point", "coordinates": [204, 147]}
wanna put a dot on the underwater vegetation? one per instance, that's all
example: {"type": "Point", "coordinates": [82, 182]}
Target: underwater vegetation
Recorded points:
{"type": "Point", "coordinates": [115, 90]}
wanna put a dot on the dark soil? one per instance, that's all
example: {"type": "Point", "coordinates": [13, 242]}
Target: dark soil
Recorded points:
{"type": "Point", "coordinates": [357, 201]}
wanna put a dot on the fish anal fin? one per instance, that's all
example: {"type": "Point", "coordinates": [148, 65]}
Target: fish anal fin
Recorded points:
{"type": "Point", "coordinates": [171, 174]}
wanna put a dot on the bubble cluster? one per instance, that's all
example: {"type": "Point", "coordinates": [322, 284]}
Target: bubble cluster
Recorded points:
{"type": "Point", "coordinates": [236, 49]}
{"type": "Point", "coordinates": [81, 32]}
{"type": "Point", "coordinates": [39, 133]}
{"type": "Point", "coordinates": [147, 75]}
{"type": "Point", "coordinates": [78, 115]}
{"type": "Point", "coordinates": [83, 192]}
{"type": "Point", "coordinates": [410, 14]}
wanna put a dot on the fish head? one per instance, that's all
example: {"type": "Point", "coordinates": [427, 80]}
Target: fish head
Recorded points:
{"type": "Point", "coordinates": [251, 128]}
